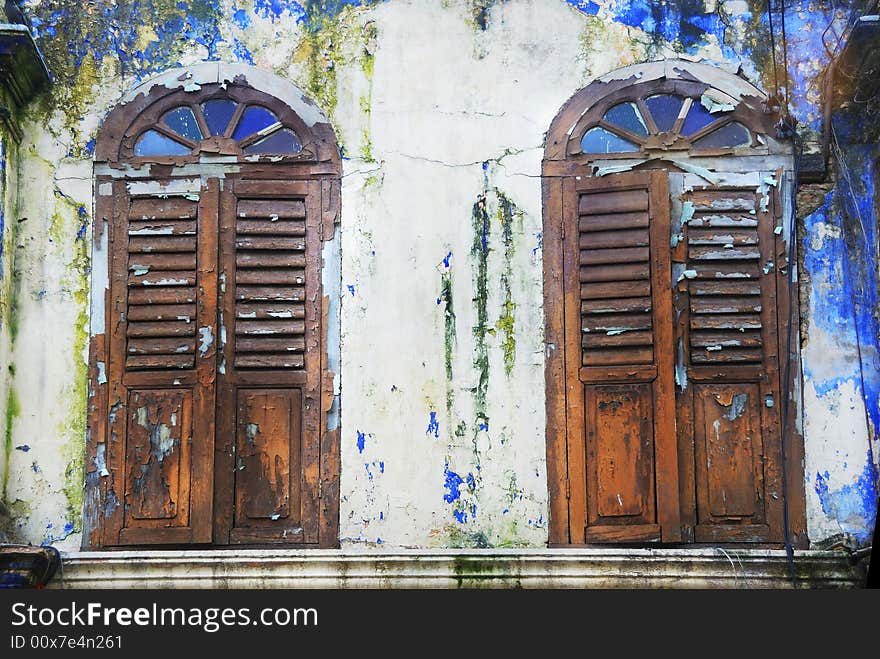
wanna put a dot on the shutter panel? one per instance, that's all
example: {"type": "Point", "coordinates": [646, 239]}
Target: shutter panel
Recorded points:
{"type": "Point", "coordinates": [270, 276]}
{"type": "Point", "coordinates": [270, 370]}
{"type": "Point", "coordinates": [163, 292]}
{"type": "Point", "coordinates": [622, 444]}
{"type": "Point", "coordinates": [733, 365]}
{"type": "Point", "coordinates": [615, 274]}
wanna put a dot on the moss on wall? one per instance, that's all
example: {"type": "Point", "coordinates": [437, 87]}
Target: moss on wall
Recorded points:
{"type": "Point", "coordinates": [13, 409]}
{"type": "Point", "coordinates": [480, 263]}
{"type": "Point", "coordinates": [506, 323]}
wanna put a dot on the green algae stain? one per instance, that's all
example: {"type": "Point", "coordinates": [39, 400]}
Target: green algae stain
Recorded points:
{"type": "Point", "coordinates": [367, 63]}
{"type": "Point", "coordinates": [449, 335]}
{"type": "Point", "coordinates": [321, 50]}
{"type": "Point", "coordinates": [13, 410]}
{"type": "Point", "coordinates": [478, 13]}
{"type": "Point", "coordinates": [485, 572]}
{"type": "Point", "coordinates": [459, 539]}
{"type": "Point", "coordinates": [90, 46]}
{"type": "Point", "coordinates": [73, 429]}
{"type": "Point", "coordinates": [480, 256]}
{"type": "Point", "coordinates": [506, 323]}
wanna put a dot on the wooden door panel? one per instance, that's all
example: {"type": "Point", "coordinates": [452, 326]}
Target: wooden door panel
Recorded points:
{"type": "Point", "coordinates": [620, 452]}
{"type": "Point", "coordinates": [728, 441]}
{"type": "Point", "coordinates": [267, 481]}
{"type": "Point", "coordinates": [158, 455]}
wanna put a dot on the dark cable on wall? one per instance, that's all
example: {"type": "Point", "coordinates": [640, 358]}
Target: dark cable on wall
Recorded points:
{"type": "Point", "coordinates": [773, 50]}
{"type": "Point", "coordinates": [785, 130]}
{"type": "Point", "coordinates": [786, 400]}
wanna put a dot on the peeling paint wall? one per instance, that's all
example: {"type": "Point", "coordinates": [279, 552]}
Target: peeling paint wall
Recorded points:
{"type": "Point", "coordinates": [840, 345]}
{"type": "Point", "coordinates": [440, 109]}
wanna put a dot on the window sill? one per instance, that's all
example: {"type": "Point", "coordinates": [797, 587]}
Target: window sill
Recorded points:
{"type": "Point", "coordinates": [457, 568]}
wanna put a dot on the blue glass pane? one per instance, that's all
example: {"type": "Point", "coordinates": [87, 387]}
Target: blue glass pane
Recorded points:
{"type": "Point", "coordinates": [664, 108]}
{"type": "Point", "coordinates": [729, 135]}
{"type": "Point", "coordinates": [626, 115]}
{"type": "Point", "coordinates": [599, 140]}
{"type": "Point", "coordinates": [253, 120]}
{"type": "Point", "coordinates": [217, 115]}
{"type": "Point", "coordinates": [152, 143]}
{"type": "Point", "coordinates": [281, 141]}
{"type": "Point", "coordinates": [183, 121]}
{"type": "Point", "coordinates": [698, 117]}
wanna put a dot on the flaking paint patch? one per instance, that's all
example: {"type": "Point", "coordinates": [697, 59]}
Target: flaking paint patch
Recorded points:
{"type": "Point", "coordinates": [206, 340]}
{"type": "Point", "coordinates": [852, 505]}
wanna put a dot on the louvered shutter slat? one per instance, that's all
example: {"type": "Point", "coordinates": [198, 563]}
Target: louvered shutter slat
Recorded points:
{"type": "Point", "coordinates": [161, 281]}
{"type": "Point", "coordinates": [270, 277]}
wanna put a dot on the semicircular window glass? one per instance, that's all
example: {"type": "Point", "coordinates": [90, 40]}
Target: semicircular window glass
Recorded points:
{"type": "Point", "coordinates": [254, 119]}
{"type": "Point", "coordinates": [729, 135]}
{"type": "Point", "coordinates": [217, 113]}
{"type": "Point", "coordinates": [665, 109]}
{"type": "Point", "coordinates": [282, 140]}
{"type": "Point", "coordinates": [599, 140]}
{"type": "Point", "coordinates": [255, 130]}
{"type": "Point", "coordinates": [698, 117]}
{"type": "Point", "coordinates": [627, 117]}
{"type": "Point", "coordinates": [182, 121]}
{"type": "Point", "coordinates": [665, 121]}
{"type": "Point", "coordinates": [154, 143]}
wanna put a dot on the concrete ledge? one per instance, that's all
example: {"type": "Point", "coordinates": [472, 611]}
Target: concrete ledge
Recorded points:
{"type": "Point", "coordinates": [453, 568]}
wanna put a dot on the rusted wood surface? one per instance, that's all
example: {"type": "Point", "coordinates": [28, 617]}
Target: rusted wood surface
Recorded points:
{"type": "Point", "coordinates": [576, 483]}
{"type": "Point", "coordinates": [267, 464]}
{"type": "Point", "coordinates": [161, 437]}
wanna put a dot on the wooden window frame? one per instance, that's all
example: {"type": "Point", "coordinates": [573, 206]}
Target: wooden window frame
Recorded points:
{"type": "Point", "coordinates": [564, 161]}
{"type": "Point", "coordinates": [317, 167]}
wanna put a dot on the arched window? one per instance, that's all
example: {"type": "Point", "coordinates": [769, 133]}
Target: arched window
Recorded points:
{"type": "Point", "coordinates": [666, 296]}
{"type": "Point", "coordinates": [214, 200]}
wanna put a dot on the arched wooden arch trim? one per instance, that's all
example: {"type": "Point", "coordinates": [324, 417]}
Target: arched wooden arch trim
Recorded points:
{"type": "Point", "coordinates": [667, 308]}
{"type": "Point", "coordinates": [672, 76]}
{"type": "Point", "coordinates": [212, 415]}
{"type": "Point", "coordinates": [146, 104]}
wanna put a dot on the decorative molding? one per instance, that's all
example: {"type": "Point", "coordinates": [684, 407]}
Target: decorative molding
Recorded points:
{"type": "Point", "coordinates": [23, 73]}
{"type": "Point", "coordinates": [489, 568]}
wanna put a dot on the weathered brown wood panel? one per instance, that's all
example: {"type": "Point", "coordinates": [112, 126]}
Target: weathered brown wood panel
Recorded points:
{"type": "Point", "coordinates": [158, 455]}
{"type": "Point", "coordinates": [733, 366]}
{"type": "Point", "coordinates": [161, 369]}
{"type": "Point", "coordinates": [267, 479]}
{"type": "Point", "coordinates": [187, 360]}
{"type": "Point", "coordinates": [622, 455]}
{"type": "Point", "coordinates": [267, 488]}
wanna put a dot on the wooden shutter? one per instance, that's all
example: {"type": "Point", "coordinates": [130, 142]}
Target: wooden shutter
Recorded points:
{"type": "Point", "coordinates": [270, 369]}
{"type": "Point", "coordinates": [729, 325]}
{"type": "Point", "coordinates": [270, 275]}
{"type": "Point", "coordinates": [623, 467]}
{"type": "Point", "coordinates": [161, 362]}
